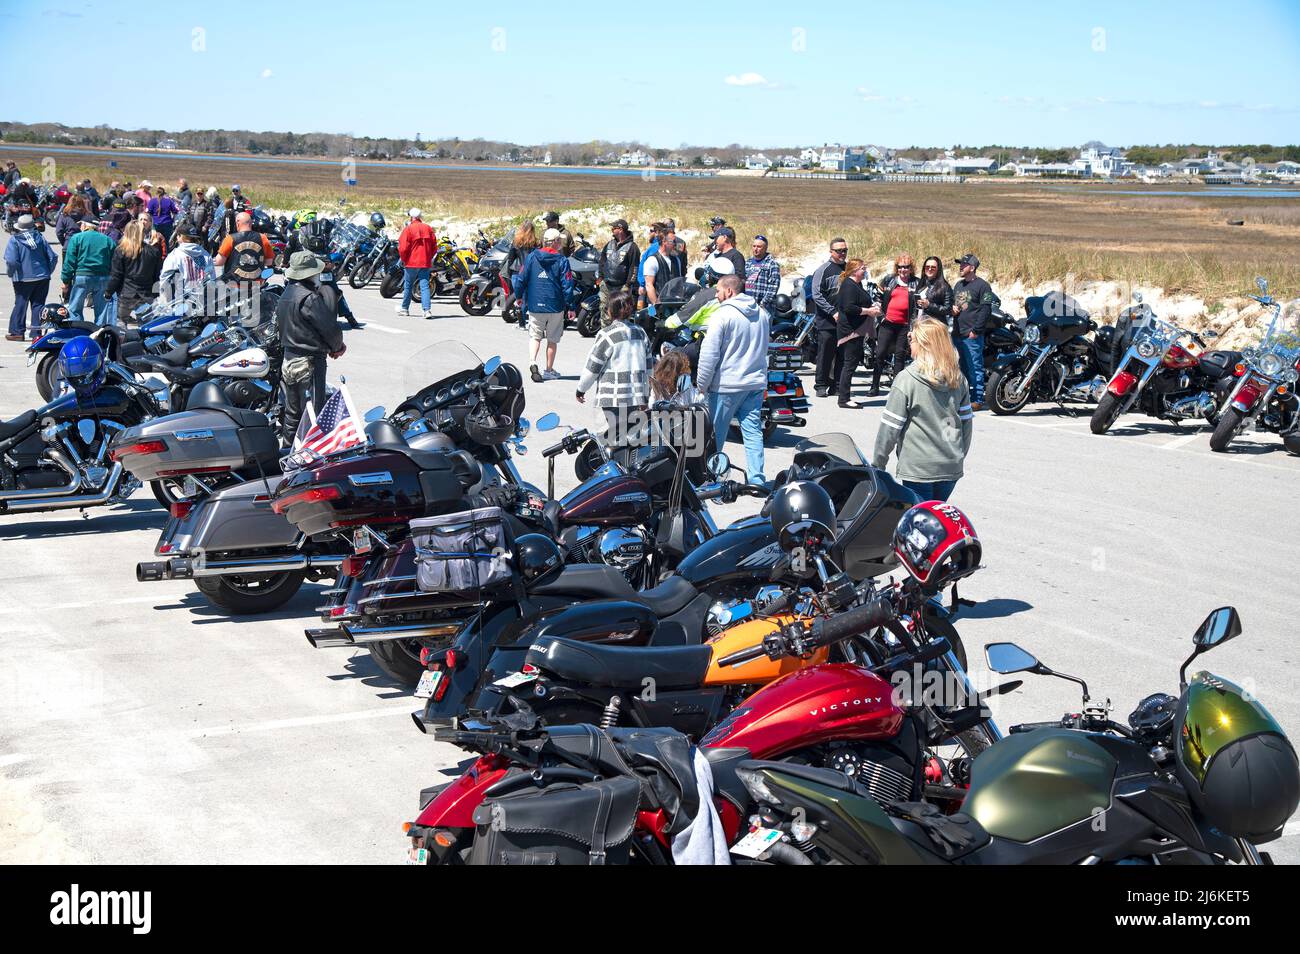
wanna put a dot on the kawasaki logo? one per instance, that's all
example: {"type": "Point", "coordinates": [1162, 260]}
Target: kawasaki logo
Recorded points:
{"type": "Point", "coordinates": [1084, 758]}
{"type": "Point", "coordinates": [841, 706]}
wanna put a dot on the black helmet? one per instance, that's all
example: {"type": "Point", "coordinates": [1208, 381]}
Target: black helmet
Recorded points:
{"type": "Point", "coordinates": [800, 510]}
{"type": "Point", "coordinates": [540, 558]}
{"type": "Point", "coordinates": [377, 221]}
{"type": "Point", "coordinates": [57, 313]}
{"type": "Point", "coordinates": [717, 221]}
{"type": "Point", "coordinates": [782, 306]}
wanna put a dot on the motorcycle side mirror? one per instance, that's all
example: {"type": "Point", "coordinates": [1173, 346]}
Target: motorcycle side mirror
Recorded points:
{"type": "Point", "coordinates": [268, 273]}
{"type": "Point", "coordinates": [1219, 627]}
{"type": "Point", "coordinates": [1007, 658]}
{"type": "Point", "coordinates": [718, 465]}
{"type": "Point", "coordinates": [376, 413]}
{"type": "Point", "coordinates": [1137, 297]}
{"type": "Point", "coordinates": [522, 428]}
{"type": "Point", "coordinates": [1209, 334]}
{"type": "Point", "coordinates": [490, 366]}
{"type": "Point", "coordinates": [548, 422]}
{"type": "Point", "coordinates": [1262, 283]}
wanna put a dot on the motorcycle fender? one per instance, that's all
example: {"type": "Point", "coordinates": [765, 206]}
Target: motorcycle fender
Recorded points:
{"type": "Point", "coordinates": [475, 645]}
{"type": "Point", "coordinates": [1246, 398]}
{"type": "Point", "coordinates": [55, 340]}
{"type": "Point", "coordinates": [453, 806]}
{"type": "Point", "coordinates": [1121, 384]}
{"type": "Point", "coordinates": [1006, 361]}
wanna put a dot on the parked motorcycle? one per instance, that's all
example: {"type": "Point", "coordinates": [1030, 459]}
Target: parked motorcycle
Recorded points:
{"type": "Point", "coordinates": [452, 267]}
{"type": "Point", "coordinates": [382, 259]}
{"type": "Point", "coordinates": [1159, 376]}
{"type": "Point", "coordinates": [487, 288]}
{"type": "Point", "coordinates": [55, 457]}
{"type": "Point", "coordinates": [1201, 778]}
{"type": "Point", "coordinates": [1264, 392]}
{"type": "Point", "coordinates": [1058, 361]}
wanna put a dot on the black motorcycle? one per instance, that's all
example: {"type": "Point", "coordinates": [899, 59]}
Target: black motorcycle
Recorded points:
{"type": "Point", "coordinates": [1058, 361]}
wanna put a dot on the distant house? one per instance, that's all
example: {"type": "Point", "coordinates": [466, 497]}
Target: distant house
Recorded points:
{"type": "Point", "coordinates": [1034, 168]}
{"type": "Point", "coordinates": [708, 161]}
{"type": "Point", "coordinates": [636, 157]}
{"type": "Point", "coordinates": [167, 144]}
{"type": "Point", "coordinates": [790, 162]}
{"type": "Point", "coordinates": [842, 158]}
{"type": "Point", "coordinates": [758, 161]}
{"type": "Point", "coordinates": [122, 142]}
{"type": "Point", "coordinates": [965, 165]}
{"type": "Point", "coordinates": [810, 157]}
{"type": "Point", "coordinates": [1102, 161]}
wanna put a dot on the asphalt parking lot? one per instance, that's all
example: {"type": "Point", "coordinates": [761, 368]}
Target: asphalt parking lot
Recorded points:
{"type": "Point", "coordinates": [139, 725]}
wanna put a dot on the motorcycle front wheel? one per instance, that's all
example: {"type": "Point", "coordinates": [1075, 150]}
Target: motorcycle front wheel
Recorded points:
{"type": "Point", "coordinates": [474, 301]}
{"type": "Point", "coordinates": [392, 284]}
{"type": "Point", "coordinates": [249, 596]}
{"type": "Point", "coordinates": [361, 275]}
{"type": "Point", "coordinates": [1106, 414]}
{"type": "Point", "coordinates": [47, 377]}
{"type": "Point", "coordinates": [1226, 429]}
{"type": "Point", "coordinates": [1000, 388]}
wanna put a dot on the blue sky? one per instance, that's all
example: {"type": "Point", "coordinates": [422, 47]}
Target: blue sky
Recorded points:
{"type": "Point", "coordinates": [898, 74]}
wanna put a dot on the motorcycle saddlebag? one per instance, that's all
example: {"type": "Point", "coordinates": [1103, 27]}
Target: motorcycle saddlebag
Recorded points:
{"type": "Point", "coordinates": [207, 440]}
{"type": "Point", "coordinates": [238, 518]}
{"type": "Point", "coordinates": [466, 552]}
{"type": "Point", "coordinates": [562, 824]}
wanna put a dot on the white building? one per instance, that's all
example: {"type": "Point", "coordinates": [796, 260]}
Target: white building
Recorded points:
{"type": "Point", "coordinates": [842, 158]}
{"type": "Point", "coordinates": [758, 161]}
{"type": "Point", "coordinates": [965, 165]}
{"type": "Point", "coordinates": [636, 157]}
{"type": "Point", "coordinates": [810, 157]}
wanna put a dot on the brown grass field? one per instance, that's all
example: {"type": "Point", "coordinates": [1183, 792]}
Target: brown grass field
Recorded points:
{"type": "Point", "coordinates": [1021, 230]}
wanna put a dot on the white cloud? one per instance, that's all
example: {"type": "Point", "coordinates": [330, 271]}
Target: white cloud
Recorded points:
{"type": "Point", "coordinates": [266, 73]}
{"type": "Point", "coordinates": [748, 79]}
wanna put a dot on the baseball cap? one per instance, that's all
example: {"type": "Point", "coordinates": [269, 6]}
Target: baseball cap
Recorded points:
{"type": "Point", "coordinates": [726, 230]}
{"type": "Point", "coordinates": [969, 259]}
{"type": "Point", "coordinates": [619, 224]}
{"type": "Point", "coordinates": [412, 213]}
{"type": "Point", "coordinates": [551, 217]}
{"type": "Point", "coordinates": [550, 235]}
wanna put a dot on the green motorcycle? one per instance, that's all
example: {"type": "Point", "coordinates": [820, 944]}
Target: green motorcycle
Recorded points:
{"type": "Point", "coordinates": [1201, 778]}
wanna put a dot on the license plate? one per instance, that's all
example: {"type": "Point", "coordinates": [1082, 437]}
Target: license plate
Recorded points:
{"type": "Point", "coordinates": [756, 842]}
{"type": "Point", "coordinates": [429, 682]}
{"type": "Point", "coordinates": [417, 856]}
{"type": "Point", "coordinates": [360, 541]}
{"type": "Point", "coordinates": [192, 487]}
{"type": "Point", "coordinates": [515, 679]}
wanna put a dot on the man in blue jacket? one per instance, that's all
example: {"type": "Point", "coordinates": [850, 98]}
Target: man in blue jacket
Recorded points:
{"type": "Point", "coordinates": [30, 262]}
{"type": "Point", "coordinates": [543, 287]}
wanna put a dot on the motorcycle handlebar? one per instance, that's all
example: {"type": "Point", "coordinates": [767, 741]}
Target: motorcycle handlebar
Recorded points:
{"type": "Point", "coordinates": [822, 633]}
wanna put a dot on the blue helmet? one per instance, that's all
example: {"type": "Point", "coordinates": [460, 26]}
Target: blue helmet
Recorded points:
{"type": "Point", "coordinates": [81, 364]}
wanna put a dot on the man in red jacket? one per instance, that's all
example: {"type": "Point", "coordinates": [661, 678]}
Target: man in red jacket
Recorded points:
{"type": "Point", "coordinates": [416, 245]}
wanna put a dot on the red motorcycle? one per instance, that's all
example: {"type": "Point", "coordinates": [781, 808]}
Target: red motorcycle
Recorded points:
{"type": "Point", "coordinates": [843, 716]}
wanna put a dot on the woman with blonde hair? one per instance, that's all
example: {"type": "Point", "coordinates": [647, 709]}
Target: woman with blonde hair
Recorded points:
{"type": "Point", "coordinates": [928, 416]}
{"type": "Point", "coordinates": [137, 264]}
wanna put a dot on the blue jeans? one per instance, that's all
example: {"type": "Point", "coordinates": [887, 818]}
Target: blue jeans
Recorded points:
{"type": "Point", "coordinates": [931, 489]}
{"type": "Point", "coordinates": [28, 297]}
{"type": "Point", "coordinates": [89, 286]}
{"type": "Point", "coordinates": [409, 280]}
{"type": "Point", "coordinates": [970, 352]}
{"type": "Point", "coordinates": [747, 407]}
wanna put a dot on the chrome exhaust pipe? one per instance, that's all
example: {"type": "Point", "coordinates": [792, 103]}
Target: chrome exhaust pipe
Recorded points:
{"type": "Point", "coordinates": [65, 503]}
{"type": "Point", "coordinates": [71, 487]}
{"type": "Point", "coordinates": [327, 638]}
{"type": "Point", "coordinates": [1089, 392]}
{"type": "Point", "coordinates": [177, 568]}
{"type": "Point", "coordinates": [1198, 406]}
{"type": "Point", "coordinates": [363, 635]}
{"type": "Point", "coordinates": [265, 564]}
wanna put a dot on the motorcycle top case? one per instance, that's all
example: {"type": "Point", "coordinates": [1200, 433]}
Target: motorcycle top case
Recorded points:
{"type": "Point", "coordinates": [206, 439]}
{"type": "Point", "coordinates": [374, 487]}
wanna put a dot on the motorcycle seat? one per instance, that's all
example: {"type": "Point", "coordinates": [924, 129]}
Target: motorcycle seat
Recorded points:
{"type": "Point", "coordinates": [596, 580]}
{"type": "Point", "coordinates": [20, 423]}
{"type": "Point", "coordinates": [1219, 364]}
{"type": "Point", "coordinates": [671, 667]}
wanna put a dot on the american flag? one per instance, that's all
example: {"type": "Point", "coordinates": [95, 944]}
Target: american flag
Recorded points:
{"type": "Point", "coordinates": [334, 430]}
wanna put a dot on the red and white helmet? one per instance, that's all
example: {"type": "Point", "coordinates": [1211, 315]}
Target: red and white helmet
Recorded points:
{"type": "Point", "coordinates": [937, 544]}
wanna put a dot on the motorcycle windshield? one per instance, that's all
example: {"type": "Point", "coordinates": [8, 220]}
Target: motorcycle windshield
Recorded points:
{"type": "Point", "coordinates": [836, 444]}
{"type": "Point", "coordinates": [435, 366]}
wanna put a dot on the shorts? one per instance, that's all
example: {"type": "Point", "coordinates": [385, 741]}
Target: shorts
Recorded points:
{"type": "Point", "coordinates": [546, 324]}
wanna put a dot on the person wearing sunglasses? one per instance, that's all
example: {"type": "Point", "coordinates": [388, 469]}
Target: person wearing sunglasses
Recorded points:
{"type": "Point", "coordinates": [858, 314]}
{"type": "Point", "coordinates": [899, 290]}
{"type": "Point", "coordinates": [935, 294]}
{"type": "Point", "coordinates": [825, 285]}
{"type": "Point", "coordinates": [762, 274]}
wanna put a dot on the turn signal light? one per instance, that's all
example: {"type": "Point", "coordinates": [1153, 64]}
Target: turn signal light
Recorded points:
{"type": "Point", "coordinates": [1282, 389]}
{"type": "Point", "coordinates": [140, 447]}
{"type": "Point", "coordinates": [180, 509]}
{"type": "Point", "coordinates": [311, 495]}
{"type": "Point", "coordinates": [1239, 370]}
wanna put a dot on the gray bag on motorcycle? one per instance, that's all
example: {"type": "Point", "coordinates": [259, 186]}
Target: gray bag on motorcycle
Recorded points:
{"type": "Point", "coordinates": [561, 824]}
{"type": "Point", "coordinates": [464, 552]}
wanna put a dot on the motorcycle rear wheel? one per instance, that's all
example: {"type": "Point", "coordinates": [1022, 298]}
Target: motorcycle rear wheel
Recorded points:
{"type": "Point", "coordinates": [47, 377]}
{"type": "Point", "coordinates": [1106, 414]}
{"type": "Point", "coordinates": [252, 596]}
{"type": "Point", "coordinates": [474, 302]}
{"type": "Point", "coordinates": [1226, 429]}
{"type": "Point", "coordinates": [998, 390]}
{"type": "Point", "coordinates": [589, 322]}
{"type": "Point", "coordinates": [165, 492]}
{"type": "Point", "coordinates": [399, 660]}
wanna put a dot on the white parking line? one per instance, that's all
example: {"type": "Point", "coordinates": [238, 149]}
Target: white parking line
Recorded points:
{"type": "Point", "coordinates": [403, 709]}
{"type": "Point", "coordinates": [13, 759]}
{"type": "Point", "coordinates": [1180, 441]}
{"type": "Point", "coordinates": [97, 604]}
{"type": "Point", "coordinates": [385, 329]}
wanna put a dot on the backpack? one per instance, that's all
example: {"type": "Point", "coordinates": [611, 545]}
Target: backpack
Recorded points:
{"type": "Point", "coordinates": [315, 236]}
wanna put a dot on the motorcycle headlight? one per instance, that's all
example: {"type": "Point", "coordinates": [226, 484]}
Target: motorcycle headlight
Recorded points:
{"type": "Point", "coordinates": [1147, 349]}
{"type": "Point", "coordinates": [1271, 365]}
{"type": "Point", "coordinates": [1033, 334]}
{"type": "Point", "coordinates": [1290, 375]}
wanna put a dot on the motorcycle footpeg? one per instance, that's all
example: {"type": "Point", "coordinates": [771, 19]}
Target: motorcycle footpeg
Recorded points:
{"type": "Point", "coordinates": [331, 637]}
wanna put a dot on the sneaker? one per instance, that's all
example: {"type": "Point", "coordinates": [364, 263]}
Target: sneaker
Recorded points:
{"type": "Point", "coordinates": [821, 392]}
{"type": "Point", "coordinates": [851, 405]}
{"type": "Point", "coordinates": [532, 369]}
{"type": "Point", "coordinates": [428, 315]}
{"type": "Point", "coordinates": [550, 374]}
{"type": "Point", "coordinates": [402, 312]}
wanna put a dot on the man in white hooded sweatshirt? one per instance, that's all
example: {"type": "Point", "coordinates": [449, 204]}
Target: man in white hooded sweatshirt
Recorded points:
{"type": "Point", "coordinates": [733, 370]}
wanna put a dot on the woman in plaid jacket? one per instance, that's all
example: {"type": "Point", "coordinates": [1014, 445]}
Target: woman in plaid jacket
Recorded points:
{"type": "Point", "coordinates": [618, 367]}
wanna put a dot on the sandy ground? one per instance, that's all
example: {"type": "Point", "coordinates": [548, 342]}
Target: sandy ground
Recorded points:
{"type": "Point", "coordinates": [140, 725]}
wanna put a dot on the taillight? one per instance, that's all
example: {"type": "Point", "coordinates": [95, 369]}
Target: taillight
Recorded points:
{"type": "Point", "coordinates": [441, 691]}
{"type": "Point", "coordinates": [452, 659]}
{"type": "Point", "coordinates": [182, 471]}
{"type": "Point", "coordinates": [310, 495]}
{"type": "Point", "coordinates": [353, 565]}
{"type": "Point", "coordinates": [779, 389]}
{"type": "Point", "coordinates": [180, 509]}
{"type": "Point", "coordinates": [139, 447]}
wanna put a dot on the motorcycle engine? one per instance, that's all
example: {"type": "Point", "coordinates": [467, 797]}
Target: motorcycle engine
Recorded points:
{"type": "Point", "coordinates": [624, 548]}
{"type": "Point", "coordinates": [245, 392]}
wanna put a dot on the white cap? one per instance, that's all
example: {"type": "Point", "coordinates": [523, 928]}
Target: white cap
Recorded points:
{"type": "Point", "coordinates": [550, 235]}
{"type": "Point", "coordinates": [413, 213]}
{"type": "Point", "coordinates": [721, 265]}
{"type": "Point", "coordinates": [146, 184]}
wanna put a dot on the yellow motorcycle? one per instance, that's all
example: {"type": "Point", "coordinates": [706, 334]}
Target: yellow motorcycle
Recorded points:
{"type": "Point", "coordinates": [452, 267]}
